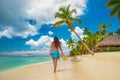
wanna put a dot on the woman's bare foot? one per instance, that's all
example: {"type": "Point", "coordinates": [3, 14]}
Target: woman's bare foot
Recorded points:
{"type": "Point", "coordinates": [54, 70]}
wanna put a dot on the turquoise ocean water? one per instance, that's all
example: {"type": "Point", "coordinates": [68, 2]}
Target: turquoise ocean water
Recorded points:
{"type": "Point", "coordinates": [7, 63]}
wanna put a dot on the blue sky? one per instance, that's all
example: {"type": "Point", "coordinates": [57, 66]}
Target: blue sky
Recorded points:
{"type": "Point", "coordinates": [28, 28]}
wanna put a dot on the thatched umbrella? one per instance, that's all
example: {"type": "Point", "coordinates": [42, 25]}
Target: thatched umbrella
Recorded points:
{"type": "Point", "coordinates": [110, 41]}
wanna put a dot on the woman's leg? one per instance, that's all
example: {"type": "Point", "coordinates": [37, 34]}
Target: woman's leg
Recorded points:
{"type": "Point", "coordinates": [55, 64]}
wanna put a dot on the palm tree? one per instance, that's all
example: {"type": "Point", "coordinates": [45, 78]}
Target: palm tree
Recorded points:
{"type": "Point", "coordinates": [80, 48]}
{"type": "Point", "coordinates": [110, 33]}
{"type": "Point", "coordinates": [65, 14]}
{"type": "Point", "coordinates": [115, 4]}
{"type": "Point", "coordinates": [91, 39]}
{"type": "Point", "coordinates": [71, 44]}
{"type": "Point", "coordinates": [99, 35]}
{"type": "Point", "coordinates": [118, 31]}
{"type": "Point", "coordinates": [103, 26]}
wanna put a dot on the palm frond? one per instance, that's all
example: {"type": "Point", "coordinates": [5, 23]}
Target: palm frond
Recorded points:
{"type": "Point", "coordinates": [111, 3]}
{"type": "Point", "coordinates": [58, 23]}
{"type": "Point", "coordinates": [68, 7]}
{"type": "Point", "coordinates": [57, 14]}
{"type": "Point", "coordinates": [104, 25]}
{"type": "Point", "coordinates": [76, 19]}
{"type": "Point", "coordinates": [72, 11]}
{"type": "Point", "coordinates": [67, 11]}
{"type": "Point", "coordinates": [115, 10]}
{"type": "Point", "coordinates": [119, 15]}
{"type": "Point", "coordinates": [62, 9]}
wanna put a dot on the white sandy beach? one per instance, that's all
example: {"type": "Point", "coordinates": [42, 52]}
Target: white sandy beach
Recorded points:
{"type": "Point", "coordinates": [101, 66]}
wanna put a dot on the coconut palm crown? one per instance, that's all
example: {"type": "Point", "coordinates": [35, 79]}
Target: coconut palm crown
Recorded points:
{"type": "Point", "coordinates": [115, 4]}
{"type": "Point", "coordinates": [66, 15]}
{"type": "Point", "coordinates": [103, 26]}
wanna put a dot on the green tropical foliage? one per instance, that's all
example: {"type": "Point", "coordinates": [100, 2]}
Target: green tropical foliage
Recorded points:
{"type": "Point", "coordinates": [65, 14]}
{"type": "Point", "coordinates": [103, 26]}
{"type": "Point", "coordinates": [71, 44]}
{"type": "Point", "coordinates": [91, 39]}
{"type": "Point", "coordinates": [115, 4]}
{"type": "Point", "coordinates": [74, 52]}
{"type": "Point", "coordinates": [118, 32]}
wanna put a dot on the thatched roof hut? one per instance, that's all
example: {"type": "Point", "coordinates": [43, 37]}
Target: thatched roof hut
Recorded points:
{"type": "Point", "coordinates": [110, 41]}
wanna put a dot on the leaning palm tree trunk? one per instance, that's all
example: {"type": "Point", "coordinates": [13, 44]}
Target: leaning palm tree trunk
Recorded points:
{"type": "Point", "coordinates": [72, 29]}
{"type": "Point", "coordinates": [83, 43]}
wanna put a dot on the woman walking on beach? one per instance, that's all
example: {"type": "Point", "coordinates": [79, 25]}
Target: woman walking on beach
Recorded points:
{"type": "Point", "coordinates": [54, 51]}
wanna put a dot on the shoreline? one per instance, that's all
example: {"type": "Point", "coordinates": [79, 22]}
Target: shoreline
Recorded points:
{"type": "Point", "coordinates": [101, 66]}
{"type": "Point", "coordinates": [23, 66]}
{"type": "Point", "coordinates": [42, 63]}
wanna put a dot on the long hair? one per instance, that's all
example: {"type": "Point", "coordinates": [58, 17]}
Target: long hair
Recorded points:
{"type": "Point", "coordinates": [56, 41]}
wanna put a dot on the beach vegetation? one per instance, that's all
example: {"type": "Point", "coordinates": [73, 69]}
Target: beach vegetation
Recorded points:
{"type": "Point", "coordinates": [115, 5]}
{"type": "Point", "coordinates": [117, 32]}
{"type": "Point", "coordinates": [88, 43]}
{"type": "Point", "coordinates": [65, 15]}
{"type": "Point", "coordinates": [71, 44]}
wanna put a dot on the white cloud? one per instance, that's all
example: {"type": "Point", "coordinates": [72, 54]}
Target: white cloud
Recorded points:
{"type": "Point", "coordinates": [43, 41]}
{"type": "Point", "coordinates": [6, 32]}
{"type": "Point", "coordinates": [79, 31]}
{"type": "Point", "coordinates": [9, 32]}
{"type": "Point", "coordinates": [46, 11]}
{"type": "Point", "coordinates": [43, 44]}
{"type": "Point", "coordinates": [31, 31]}
{"type": "Point", "coordinates": [50, 33]}
{"type": "Point", "coordinates": [13, 14]}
